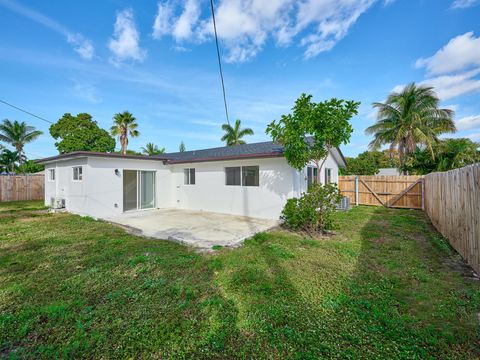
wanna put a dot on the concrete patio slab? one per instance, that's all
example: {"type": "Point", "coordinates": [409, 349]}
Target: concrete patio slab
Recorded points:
{"type": "Point", "coordinates": [196, 228]}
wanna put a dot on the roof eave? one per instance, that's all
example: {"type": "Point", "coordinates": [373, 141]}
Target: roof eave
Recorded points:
{"type": "Point", "coordinates": [82, 154]}
{"type": "Point", "coordinates": [224, 158]}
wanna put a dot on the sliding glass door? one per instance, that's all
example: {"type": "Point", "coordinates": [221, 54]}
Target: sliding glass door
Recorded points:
{"type": "Point", "coordinates": [147, 189]}
{"type": "Point", "coordinates": [138, 190]}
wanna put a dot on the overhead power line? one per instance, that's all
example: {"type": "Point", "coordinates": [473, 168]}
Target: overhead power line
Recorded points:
{"type": "Point", "coordinates": [26, 112]}
{"type": "Point", "coordinates": [219, 61]}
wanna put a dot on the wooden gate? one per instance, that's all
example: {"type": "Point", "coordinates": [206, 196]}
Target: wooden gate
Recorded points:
{"type": "Point", "coordinates": [389, 191]}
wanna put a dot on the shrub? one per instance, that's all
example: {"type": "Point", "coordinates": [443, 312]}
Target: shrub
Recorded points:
{"type": "Point", "coordinates": [313, 211]}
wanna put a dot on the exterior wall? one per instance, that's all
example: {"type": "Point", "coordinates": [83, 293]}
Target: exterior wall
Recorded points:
{"type": "Point", "coordinates": [276, 185]}
{"type": "Point", "coordinates": [330, 163]}
{"type": "Point", "coordinates": [100, 193]}
{"type": "Point", "coordinates": [65, 187]}
{"type": "Point", "coordinates": [105, 188]}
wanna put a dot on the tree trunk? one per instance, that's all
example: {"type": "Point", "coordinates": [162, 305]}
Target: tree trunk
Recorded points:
{"type": "Point", "coordinates": [19, 149]}
{"type": "Point", "coordinates": [319, 167]}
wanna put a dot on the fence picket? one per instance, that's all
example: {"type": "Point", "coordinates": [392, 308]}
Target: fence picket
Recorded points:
{"type": "Point", "coordinates": [22, 187]}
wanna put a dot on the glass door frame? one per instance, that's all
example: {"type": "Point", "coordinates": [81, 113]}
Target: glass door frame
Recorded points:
{"type": "Point", "coordinates": [139, 189]}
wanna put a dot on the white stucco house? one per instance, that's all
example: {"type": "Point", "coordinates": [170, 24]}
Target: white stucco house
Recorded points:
{"type": "Point", "coordinates": [252, 180]}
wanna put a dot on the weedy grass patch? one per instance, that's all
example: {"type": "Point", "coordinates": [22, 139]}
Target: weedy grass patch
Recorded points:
{"type": "Point", "coordinates": [386, 285]}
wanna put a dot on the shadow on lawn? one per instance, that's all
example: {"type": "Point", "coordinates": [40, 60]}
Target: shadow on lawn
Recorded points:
{"type": "Point", "coordinates": [382, 287]}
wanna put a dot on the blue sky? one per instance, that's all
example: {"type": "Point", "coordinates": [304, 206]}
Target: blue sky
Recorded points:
{"type": "Point", "coordinates": [157, 59]}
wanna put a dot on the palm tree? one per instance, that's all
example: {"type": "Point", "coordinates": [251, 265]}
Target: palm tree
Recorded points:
{"type": "Point", "coordinates": [18, 134]}
{"type": "Point", "coordinates": [124, 124]}
{"type": "Point", "coordinates": [456, 153]}
{"type": "Point", "coordinates": [182, 148]}
{"type": "Point", "coordinates": [8, 160]}
{"type": "Point", "coordinates": [408, 118]}
{"type": "Point", "coordinates": [234, 135]}
{"type": "Point", "coordinates": [152, 149]}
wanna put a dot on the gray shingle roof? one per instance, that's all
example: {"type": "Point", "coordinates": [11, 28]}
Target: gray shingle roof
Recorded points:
{"type": "Point", "coordinates": [256, 150]}
{"type": "Point", "coordinates": [261, 149]}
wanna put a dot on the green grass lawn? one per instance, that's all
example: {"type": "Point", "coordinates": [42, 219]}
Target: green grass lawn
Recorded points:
{"type": "Point", "coordinates": [385, 286]}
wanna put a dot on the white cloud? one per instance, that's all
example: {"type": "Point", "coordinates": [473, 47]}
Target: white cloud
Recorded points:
{"type": "Point", "coordinates": [460, 53]}
{"type": "Point", "coordinates": [450, 86]}
{"type": "Point", "coordinates": [244, 26]}
{"type": "Point", "coordinates": [463, 4]}
{"type": "Point", "coordinates": [206, 123]}
{"type": "Point", "coordinates": [86, 92]}
{"type": "Point", "coordinates": [81, 45]}
{"type": "Point", "coordinates": [183, 26]}
{"type": "Point", "coordinates": [163, 20]}
{"type": "Point", "coordinates": [468, 122]}
{"type": "Point", "coordinates": [453, 70]}
{"type": "Point", "coordinates": [474, 136]}
{"type": "Point", "coordinates": [125, 41]}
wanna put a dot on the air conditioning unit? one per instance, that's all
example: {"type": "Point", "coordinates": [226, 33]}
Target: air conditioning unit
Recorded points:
{"type": "Point", "coordinates": [57, 203]}
{"type": "Point", "coordinates": [344, 204]}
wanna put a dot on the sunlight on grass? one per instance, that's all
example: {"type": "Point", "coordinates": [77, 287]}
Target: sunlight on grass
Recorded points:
{"type": "Point", "coordinates": [386, 285]}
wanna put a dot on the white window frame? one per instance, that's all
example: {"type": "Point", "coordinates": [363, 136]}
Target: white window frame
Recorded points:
{"type": "Point", "coordinates": [187, 176]}
{"type": "Point", "coordinates": [314, 177]}
{"type": "Point", "coordinates": [233, 167]}
{"type": "Point", "coordinates": [329, 172]}
{"type": "Point", "coordinates": [79, 173]}
{"type": "Point", "coordinates": [252, 166]}
{"type": "Point", "coordinates": [51, 178]}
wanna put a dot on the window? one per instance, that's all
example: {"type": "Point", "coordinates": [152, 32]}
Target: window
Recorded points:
{"type": "Point", "coordinates": [77, 173]}
{"type": "Point", "coordinates": [328, 176]}
{"type": "Point", "coordinates": [189, 176]}
{"type": "Point", "coordinates": [232, 176]}
{"type": "Point", "coordinates": [312, 175]}
{"type": "Point", "coordinates": [250, 175]}
{"type": "Point", "coordinates": [51, 174]}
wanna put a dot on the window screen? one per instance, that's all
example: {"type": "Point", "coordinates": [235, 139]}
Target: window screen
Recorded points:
{"type": "Point", "coordinates": [232, 176]}
{"type": "Point", "coordinates": [328, 176]}
{"type": "Point", "coordinates": [51, 174]}
{"type": "Point", "coordinates": [250, 175]}
{"type": "Point", "coordinates": [77, 173]}
{"type": "Point", "coordinates": [312, 175]}
{"type": "Point", "coordinates": [189, 176]}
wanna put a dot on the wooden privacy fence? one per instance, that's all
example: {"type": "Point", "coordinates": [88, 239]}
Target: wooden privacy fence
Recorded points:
{"type": "Point", "coordinates": [452, 201]}
{"type": "Point", "coordinates": [389, 191]}
{"type": "Point", "coordinates": [22, 187]}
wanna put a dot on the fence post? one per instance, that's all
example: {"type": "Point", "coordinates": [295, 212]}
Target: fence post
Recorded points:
{"type": "Point", "coordinates": [356, 190]}
{"type": "Point", "coordinates": [423, 194]}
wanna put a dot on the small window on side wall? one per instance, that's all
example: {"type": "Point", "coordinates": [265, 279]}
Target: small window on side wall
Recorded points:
{"type": "Point", "coordinates": [51, 174]}
{"type": "Point", "coordinates": [250, 175]}
{"type": "Point", "coordinates": [312, 175]}
{"type": "Point", "coordinates": [328, 176]}
{"type": "Point", "coordinates": [77, 173]}
{"type": "Point", "coordinates": [189, 176]}
{"type": "Point", "coordinates": [233, 176]}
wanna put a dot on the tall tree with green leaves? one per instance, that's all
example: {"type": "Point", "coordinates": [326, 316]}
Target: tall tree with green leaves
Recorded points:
{"type": "Point", "coordinates": [80, 133]}
{"type": "Point", "coordinates": [457, 153]}
{"type": "Point", "coordinates": [152, 149]}
{"type": "Point", "coordinates": [18, 134]}
{"type": "Point", "coordinates": [124, 125]}
{"type": "Point", "coordinates": [234, 134]}
{"type": "Point", "coordinates": [408, 118]}
{"type": "Point", "coordinates": [311, 129]}
{"type": "Point", "coordinates": [9, 160]}
{"type": "Point", "coordinates": [369, 163]}
{"type": "Point", "coordinates": [182, 148]}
